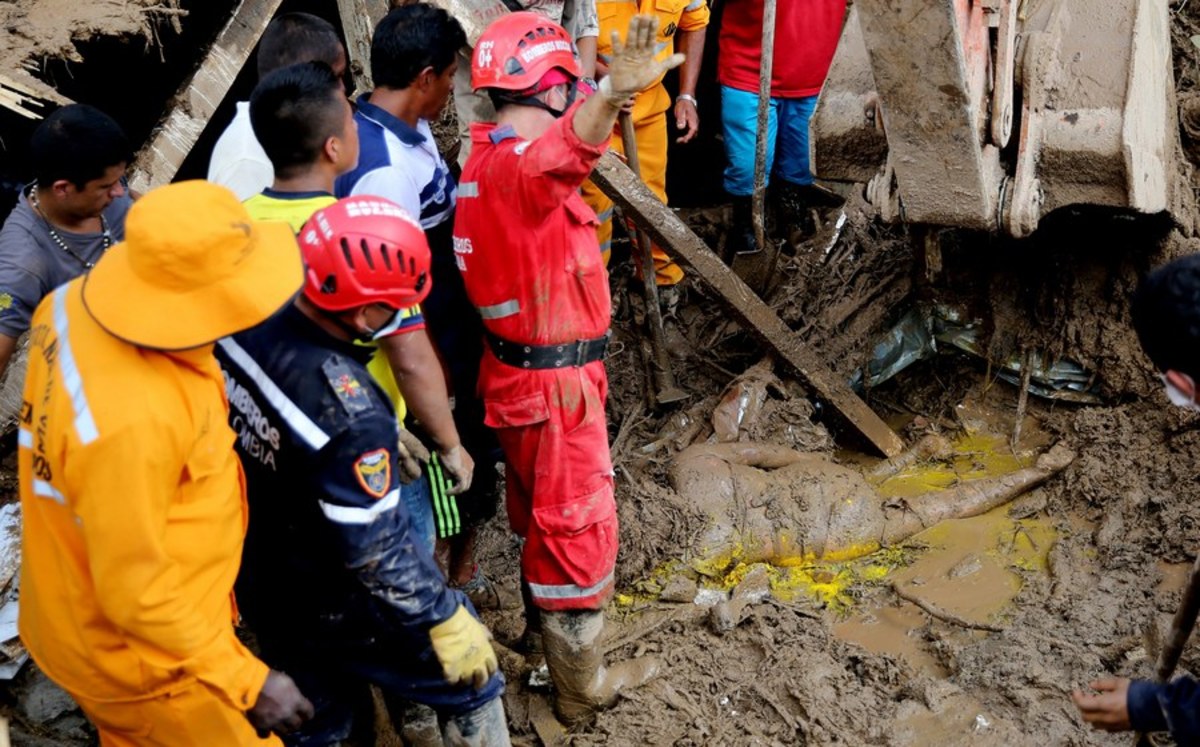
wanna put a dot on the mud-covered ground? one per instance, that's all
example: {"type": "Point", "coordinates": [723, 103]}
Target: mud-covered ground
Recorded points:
{"type": "Point", "coordinates": [1125, 516]}
{"type": "Point", "coordinates": [1121, 513]}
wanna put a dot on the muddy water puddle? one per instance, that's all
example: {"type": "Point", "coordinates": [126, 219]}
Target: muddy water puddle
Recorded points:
{"type": "Point", "coordinates": [971, 569]}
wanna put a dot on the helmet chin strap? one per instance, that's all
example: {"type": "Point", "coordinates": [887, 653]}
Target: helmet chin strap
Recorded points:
{"type": "Point", "coordinates": [537, 103]}
{"type": "Point", "coordinates": [354, 332]}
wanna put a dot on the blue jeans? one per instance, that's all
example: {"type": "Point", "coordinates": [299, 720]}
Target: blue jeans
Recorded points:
{"type": "Point", "coordinates": [340, 696]}
{"type": "Point", "coordinates": [739, 119]}
{"type": "Point", "coordinates": [419, 503]}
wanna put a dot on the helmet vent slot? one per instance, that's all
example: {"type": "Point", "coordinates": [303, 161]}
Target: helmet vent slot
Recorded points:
{"type": "Point", "coordinates": [366, 251]}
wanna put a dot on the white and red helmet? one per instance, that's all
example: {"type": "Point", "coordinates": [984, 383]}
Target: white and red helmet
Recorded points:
{"type": "Point", "coordinates": [518, 49]}
{"type": "Point", "coordinates": [362, 250]}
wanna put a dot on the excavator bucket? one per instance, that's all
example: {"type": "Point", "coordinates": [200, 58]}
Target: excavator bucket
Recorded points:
{"type": "Point", "coordinates": [989, 114]}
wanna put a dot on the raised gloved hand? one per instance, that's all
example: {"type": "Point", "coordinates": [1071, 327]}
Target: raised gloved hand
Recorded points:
{"type": "Point", "coordinates": [413, 456]}
{"type": "Point", "coordinates": [461, 467]}
{"type": "Point", "coordinates": [463, 647]}
{"type": "Point", "coordinates": [632, 66]}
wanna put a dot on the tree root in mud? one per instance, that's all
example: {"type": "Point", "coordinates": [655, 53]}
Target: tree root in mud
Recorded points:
{"type": "Point", "coordinates": [941, 614]}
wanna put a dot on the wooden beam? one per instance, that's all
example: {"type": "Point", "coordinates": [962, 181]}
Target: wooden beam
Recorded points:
{"type": "Point", "coordinates": [615, 179]}
{"type": "Point", "coordinates": [638, 203]}
{"type": "Point", "coordinates": [20, 91]}
{"type": "Point", "coordinates": [359, 18]}
{"type": "Point", "coordinates": [473, 15]}
{"type": "Point", "coordinates": [200, 95]}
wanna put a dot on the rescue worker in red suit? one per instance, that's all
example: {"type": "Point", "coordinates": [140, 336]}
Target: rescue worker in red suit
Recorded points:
{"type": "Point", "coordinates": [525, 243]}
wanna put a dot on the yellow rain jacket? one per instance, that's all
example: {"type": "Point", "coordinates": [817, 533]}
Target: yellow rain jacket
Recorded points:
{"type": "Point", "coordinates": [134, 510]}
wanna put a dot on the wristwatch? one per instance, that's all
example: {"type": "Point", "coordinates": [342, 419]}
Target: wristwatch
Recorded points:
{"type": "Point", "coordinates": [688, 97]}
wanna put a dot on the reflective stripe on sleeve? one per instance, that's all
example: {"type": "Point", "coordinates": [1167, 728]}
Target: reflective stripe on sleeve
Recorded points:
{"type": "Point", "coordinates": [24, 438]}
{"type": "Point", "coordinates": [85, 425]}
{"type": "Point", "coordinates": [353, 515]}
{"type": "Point", "coordinates": [500, 310]}
{"type": "Point", "coordinates": [569, 591]}
{"type": "Point", "coordinates": [287, 409]}
{"type": "Point", "coordinates": [468, 189]}
{"type": "Point", "coordinates": [46, 490]}
{"type": "Point", "coordinates": [696, 5]}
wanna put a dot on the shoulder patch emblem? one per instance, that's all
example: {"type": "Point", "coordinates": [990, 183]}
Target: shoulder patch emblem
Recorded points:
{"type": "Point", "coordinates": [351, 392]}
{"type": "Point", "coordinates": [6, 301]}
{"type": "Point", "coordinates": [374, 472]}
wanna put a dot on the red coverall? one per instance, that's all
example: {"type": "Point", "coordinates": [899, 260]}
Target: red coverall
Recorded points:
{"type": "Point", "coordinates": [525, 242]}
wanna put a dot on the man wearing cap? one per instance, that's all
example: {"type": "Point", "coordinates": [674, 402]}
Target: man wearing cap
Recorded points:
{"type": "Point", "coordinates": [132, 496]}
{"type": "Point", "coordinates": [336, 582]}
{"type": "Point", "coordinates": [542, 292]}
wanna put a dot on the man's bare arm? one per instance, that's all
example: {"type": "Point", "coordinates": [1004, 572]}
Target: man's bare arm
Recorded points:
{"type": "Point", "coordinates": [422, 382]}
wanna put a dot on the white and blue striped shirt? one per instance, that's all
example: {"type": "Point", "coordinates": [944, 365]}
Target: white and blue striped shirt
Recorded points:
{"type": "Point", "coordinates": [400, 163]}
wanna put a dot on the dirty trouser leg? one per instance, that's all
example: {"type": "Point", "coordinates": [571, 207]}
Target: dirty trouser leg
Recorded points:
{"type": "Point", "coordinates": [651, 136]}
{"type": "Point", "coordinates": [485, 726]}
{"type": "Point", "coordinates": [739, 125]}
{"type": "Point", "coordinates": [192, 717]}
{"type": "Point", "coordinates": [470, 107]}
{"type": "Point", "coordinates": [560, 490]}
{"type": "Point", "coordinates": [418, 501]}
{"type": "Point", "coordinates": [794, 115]}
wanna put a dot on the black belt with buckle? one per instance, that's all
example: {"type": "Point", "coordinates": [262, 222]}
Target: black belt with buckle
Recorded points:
{"type": "Point", "coordinates": [564, 355]}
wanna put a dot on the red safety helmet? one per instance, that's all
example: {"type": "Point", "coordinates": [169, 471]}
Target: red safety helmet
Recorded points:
{"type": "Point", "coordinates": [362, 250]}
{"type": "Point", "coordinates": [517, 49]}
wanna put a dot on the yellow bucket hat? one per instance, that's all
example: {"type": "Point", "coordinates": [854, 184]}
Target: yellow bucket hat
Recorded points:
{"type": "Point", "coordinates": [193, 268]}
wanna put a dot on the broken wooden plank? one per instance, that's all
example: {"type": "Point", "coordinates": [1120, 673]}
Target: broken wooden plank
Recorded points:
{"type": "Point", "coordinates": [615, 179]}
{"type": "Point", "coordinates": [200, 95]}
{"type": "Point", "coordinates": [19, 91]}
{"type": "Point", "coordinates": [359, 18]}
{"type": "Point", "coordinates": [685, 247]}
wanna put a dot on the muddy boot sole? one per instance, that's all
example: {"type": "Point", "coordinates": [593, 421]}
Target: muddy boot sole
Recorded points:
{"type": "Point", "coordinates": [606, 690]}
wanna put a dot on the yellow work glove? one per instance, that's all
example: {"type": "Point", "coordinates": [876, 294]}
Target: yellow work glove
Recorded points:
{"type": "Point", "coordinates": [462, 645]}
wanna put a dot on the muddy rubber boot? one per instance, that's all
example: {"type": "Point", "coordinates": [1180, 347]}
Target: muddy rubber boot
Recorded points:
{"type": "Point", "coordinates": [582, 682]}
{"type": "Point", "coordinates": [530, 642]}
{"type": "Point", "coordinates": [418, 724]}
{"type": "Point", "coordinates": [740, 239]}
{"type": "Point", "coordinates": [793, 212]}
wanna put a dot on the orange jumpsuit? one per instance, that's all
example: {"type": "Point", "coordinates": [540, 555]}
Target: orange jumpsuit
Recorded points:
{"type": "Point", "coordinates": [134, 510]}
{"type": "Point", "coordinates": [649, 110]}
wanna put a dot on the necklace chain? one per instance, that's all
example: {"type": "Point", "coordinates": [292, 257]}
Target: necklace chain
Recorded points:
{"type": "Point", "coordinates": [57, 237]}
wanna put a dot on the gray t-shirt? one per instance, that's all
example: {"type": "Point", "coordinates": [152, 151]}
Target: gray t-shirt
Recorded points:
{"type": "Point", "coordinates": [32, 264]}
